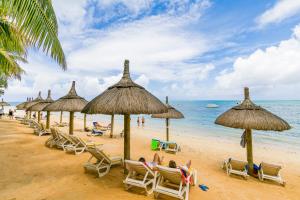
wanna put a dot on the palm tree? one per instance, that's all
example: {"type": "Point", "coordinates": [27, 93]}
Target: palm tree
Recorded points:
{"type": "Point", "coordinates": [24, 24]}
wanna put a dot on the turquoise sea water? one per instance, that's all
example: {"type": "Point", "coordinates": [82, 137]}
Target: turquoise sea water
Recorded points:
{"type": "Point", "coordinates": [199, 120]}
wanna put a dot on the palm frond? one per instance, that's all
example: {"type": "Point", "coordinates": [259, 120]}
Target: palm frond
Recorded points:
{"type": "Point", "coordinates": [38, 23]}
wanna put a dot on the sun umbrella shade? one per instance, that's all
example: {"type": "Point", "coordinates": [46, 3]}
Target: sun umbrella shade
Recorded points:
{"type": "Point", "coordinates": [125, 97]}
{"type": "Point", "coordinates": [171, 114]}
{"type": "Point", "coordinates": [42, 104]}
{"type": "Point", "coordinates": [21, 105]}
{"type": "Point", "coordinates": [247, 115]}
{"type": "Point", "coordinates": [71, 102]}
{"type": "Point", "coordinates": [3, 103]}
{"type": "Point", "coordinates": [33, 102]}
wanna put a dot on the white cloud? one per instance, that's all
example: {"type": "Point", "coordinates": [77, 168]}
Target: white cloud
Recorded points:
{"type": "Point", "coordinates": [275, 67]}
{"type": "Point", "coordinates": [283, 9]}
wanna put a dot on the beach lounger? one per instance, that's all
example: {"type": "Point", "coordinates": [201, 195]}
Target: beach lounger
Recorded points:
{"type": "Point", "coordinates": [140, 175]}
{"type": "Point", "coordinates": [236, 167]}
{"type": "Point", "coordinates": [172, 147]}
{"type": "Point", "coordinates": [171, 183]}
{"type": "Point", "coordinates": [43, 130]}
{"type": "Point", "coordinates": [103, 162]}
{"type": "Point", "coordinates": [63, 124]}
{"type": "Point", "coordinates": [63, 141]}
{"type": "Point", "coordinates": [97, 126]}
{"type": "Point", "coordinates": [78, 145]}
{"type": "Point", "coordinates": [270, 172]}
{"type": "Point", "coordinates": [53, 139]}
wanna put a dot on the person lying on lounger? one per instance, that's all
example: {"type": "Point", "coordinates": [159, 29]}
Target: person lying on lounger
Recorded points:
{"type": "Point", "coordinates": [186, 170]}
{"type": "Point", "coordinates": [156, 161]}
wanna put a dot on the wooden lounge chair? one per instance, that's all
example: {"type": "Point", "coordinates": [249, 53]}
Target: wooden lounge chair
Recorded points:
{"type": "Point", "coordinates": [236, 167]}
{"type": "Point", "coordinates": [53, 139]}
{"type": "Point", "coordinates": [63, 141]}
{"type": "Point", "coordinates": [103, 162]}
{"type": "Point", "coordinates": [140, 175]}
{"type": "Point", "coordinates": [44, 131]}
{"type": "Point", "coordinates": [171, 183]}
{"type": "Point", "coordinates": [78, 145]}
{"type": "Point", "coordinates": [172, 147]}
{"type": "Point", "coordinates": [270, 172]}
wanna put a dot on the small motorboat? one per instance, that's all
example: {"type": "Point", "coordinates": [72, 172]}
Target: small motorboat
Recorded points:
{"type": "Point", "coordinates": [211, 105]}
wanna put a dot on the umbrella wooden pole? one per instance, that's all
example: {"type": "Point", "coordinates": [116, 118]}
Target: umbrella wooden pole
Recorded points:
{"type": "Point", "coordinates": [61, 115]}
{"type": "Point", "coordinates": [126, 137]}
{"type": "Point", "coordinates": [48, 120]}
{"type": "Point", "coordinates": [84, 122]}
{"type": "Point", "coordinates": [112, 125]}
{"type": "Point", "coordinates": [71, 127]}
{"type": "Point", "coordinates": [167, 128]}
{"type": "Point", "coordinates": [29, 114]}
{"type": "Point", "coordinates": [39, 116]}
{"type": "Point", "coordinates": [249, 151]}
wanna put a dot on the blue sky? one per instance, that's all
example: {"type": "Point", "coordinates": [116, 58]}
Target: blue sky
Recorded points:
{"type": "Point", "coordinates": [186, 49]}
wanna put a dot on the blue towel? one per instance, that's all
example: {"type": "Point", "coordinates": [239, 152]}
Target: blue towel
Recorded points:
{"type": "Point", "coordinates": [97, 132]}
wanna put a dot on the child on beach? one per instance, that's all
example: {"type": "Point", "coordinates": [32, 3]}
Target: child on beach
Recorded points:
{"type": "Point", "coordinates": [156, 161]}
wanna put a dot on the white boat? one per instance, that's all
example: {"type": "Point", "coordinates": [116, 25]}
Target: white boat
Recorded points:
{"type": "Point", "coordinates": [211, 105]}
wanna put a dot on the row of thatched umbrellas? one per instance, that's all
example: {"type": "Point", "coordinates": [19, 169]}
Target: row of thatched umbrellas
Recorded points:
{"type": "Point", "coordinates": [127, 97]}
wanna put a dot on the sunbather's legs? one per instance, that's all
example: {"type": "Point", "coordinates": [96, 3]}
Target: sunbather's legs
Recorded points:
{"type": "Point", "coordinates": [157, 159]}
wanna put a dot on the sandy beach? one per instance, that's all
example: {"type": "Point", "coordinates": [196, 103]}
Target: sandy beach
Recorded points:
{"type": "Point", "coordinates": [30, 170]}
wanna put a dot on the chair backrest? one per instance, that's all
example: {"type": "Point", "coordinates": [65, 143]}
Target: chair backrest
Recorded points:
{"type": "Point", "coordinates": [99, 154]}
{"type": "Point", "coordinates": [53, 132]}
{"type": "Point", "coordinates": [172, 145]}
{"type": "Point", "coordinates": [237, 164]}
{"type": "Point", "coordinates": [138, 167]}
{"type": "Point", "coordinates": [270, 169]}
{"type": "Point", "coordinates": [172, 175]}
{"type": "Point", "coordinates": [77, 140]}
{"type": "Point", "coordinates": [43, 126]}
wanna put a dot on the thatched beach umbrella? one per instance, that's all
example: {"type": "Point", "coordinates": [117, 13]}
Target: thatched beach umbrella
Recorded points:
{"type": "Point", "coordinates": [70, 103]}
{"type": "Point", "coordinates": [21, 105]}
{"type": "Point", "coordinates": [125, 98]}
{"type": "Point", "coordinates": [171, 114]}
{"type": "Point", "coordinates": [3, 103]}
{"type": "Point", "coordinates": [249, 116]}
{"type": "Point", "coordinates": [33, 102]}
{"type": "Point", "coordinates": [40, 106]}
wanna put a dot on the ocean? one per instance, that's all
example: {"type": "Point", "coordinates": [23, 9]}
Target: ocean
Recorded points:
{"type": "Point", "coordinates": [199, 120]}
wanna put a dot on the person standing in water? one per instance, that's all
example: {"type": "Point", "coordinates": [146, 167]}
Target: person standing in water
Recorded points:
{"type": "Point", "coordinates": [143, 121]}
{"type": "Point", "coordinates": [138, 121]}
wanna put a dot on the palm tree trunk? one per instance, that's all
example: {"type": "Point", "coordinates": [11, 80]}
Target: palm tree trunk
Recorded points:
{"type": "Point", "coordinates": [126, 138]}
{"type": "Point", "coordinates": [61, 115]}
{"type": "Point", "coordinates": [39, 116]}
{"type": "Point", "coordinates": [112, 125]}
{"type": "Point", "coordinates": [48, 120]}
{"type": "Point", "coordinates": [249, 151]}
{"type": "Point", "coordinates": [84, 122]}
{"type": "Point", "coordinates": [71, 127]}
{"type": "Point", "coordinates": [167, 129]}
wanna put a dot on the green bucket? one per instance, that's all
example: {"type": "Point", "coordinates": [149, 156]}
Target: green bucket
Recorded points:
{"type": "Point", "coordinates": [154, 144]}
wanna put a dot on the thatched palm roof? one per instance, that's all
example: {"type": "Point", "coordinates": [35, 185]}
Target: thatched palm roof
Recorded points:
{"type": "Point", "coordinates": [3, 103]}
{"type": "Point", "coordinates": [42, 104]}
{"type": "Point", "coordinates": [33, 102]}
{"type": "Point", "coordinates": [247, 115]}
{"type": "Point", "coordinates": [21, 105]}
{"type": "Point", "coordinates": [70, 102]}
{"type": "Point", "coordinates": [125, 97]}
{"type": "Point", "coordinates": [171, 114]}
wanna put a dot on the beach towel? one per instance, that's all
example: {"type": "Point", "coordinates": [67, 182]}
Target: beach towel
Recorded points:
{"type": "Point", "coordinates": [243, 140]}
